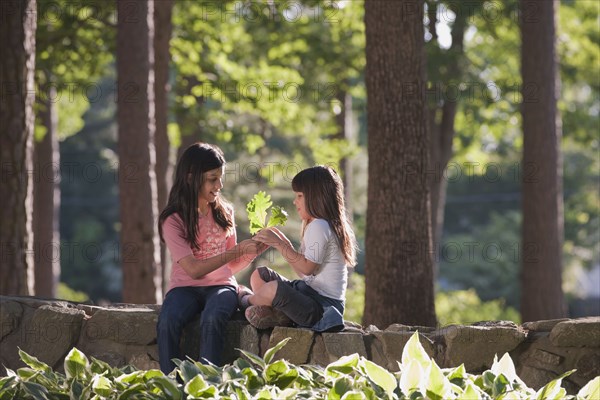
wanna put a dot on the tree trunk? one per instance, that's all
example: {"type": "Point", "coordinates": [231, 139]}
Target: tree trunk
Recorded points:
{"type": "Point", "coordinates": [46, 201]}
{"type": "Point", "coordinates": [163, 11]}
{"type": "Point", "coordinates": [346, 131]}
{"type": "Point", "coordinates": [17, 65]}
{"type": "Point", "coordinates": [541, 281]}
{"type": "Point", "coordinates": [399, 276]}
{"type": "Point", "coordinates": [140, 249]}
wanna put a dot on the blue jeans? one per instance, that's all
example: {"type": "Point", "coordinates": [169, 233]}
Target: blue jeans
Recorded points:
{"type": "Point", "coordinates": [216, 303]}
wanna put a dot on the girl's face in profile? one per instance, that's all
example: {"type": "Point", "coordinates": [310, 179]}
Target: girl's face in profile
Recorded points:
{"type": "Point", "coordinates": [300, 204]}
{"type": "Point", "coordinates": [212, 185]}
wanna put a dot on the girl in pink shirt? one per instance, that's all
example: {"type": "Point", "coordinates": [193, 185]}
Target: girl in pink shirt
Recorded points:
{"type": "Point", "coordinates": [198, 228]}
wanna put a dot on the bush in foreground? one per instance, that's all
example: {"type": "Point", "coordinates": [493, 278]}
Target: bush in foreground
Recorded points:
{"type": "Point", "coordinates": [252, 377]}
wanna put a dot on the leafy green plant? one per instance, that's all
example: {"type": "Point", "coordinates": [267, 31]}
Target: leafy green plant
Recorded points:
{"type": "Point", "coordinates": [257, 210]}
{"type": "Point", "coordinates": [253, 377]}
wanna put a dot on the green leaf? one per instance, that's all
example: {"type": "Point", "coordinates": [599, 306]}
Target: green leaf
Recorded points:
{"type": "Point", "coordinates": [166, 385]}
{"type": "Point", "coordinates": [195, 386]}
{"type": "Point", "coordinates": [188, 370]}
{"type": "Point", "coordinates": [501, 385]}
{"type": "Point", "coordinates": [457, 373]}
{"type": "Point", "coordinates": [253, 358]}
{"type": "Point", "coordinates": [415, 351]}
{"type": "Point", "coordinates": [7, 383]}
{"type": "Point", "coordinates": [552, 389]}
{"type": "Point", "coordinates": [76, 364]}
{"type": "Point", "coordinates": [380, 376]}
{"type": "Point", "coordinates": [591, 390]}
{"type": "Point", "coordinates": [257, 211]}
{"type": "Point", "coordinates": [342, 385]}
{"type": "Point", "coordinates": [101, 386]}
{"type": "Point", "coordinates": [33, 362]}
{"type": "Point", "coordinates": [270, 353]}
{"type": "Point", "coordinates": [506, 367]}
{"type": "Point", "coordinates": [132, 392]}
{"type": "Point", "coordinates": [35, 390]}
{"type": "Point", "coordinates": [274, 371]}
{"type": "Point", "coordinates": [437, 383]}
{"type": "Point", "coordinates": [344, 365]}
{"type": "Point", "coordinates": [354, 395]}
{"type": "Point", "coordinates": [471, 392]}
{"type": "Point", "coordinates": [412, 377]}
{"type": "Point", "coordinates": [278, 217]}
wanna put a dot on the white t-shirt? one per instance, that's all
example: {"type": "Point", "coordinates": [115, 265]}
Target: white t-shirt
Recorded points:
{"type": "Point", "coordinates": [320, 245]}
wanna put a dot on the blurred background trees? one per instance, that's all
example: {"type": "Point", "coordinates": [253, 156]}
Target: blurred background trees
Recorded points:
{"type": "Point", "coordinates": [280, 86]}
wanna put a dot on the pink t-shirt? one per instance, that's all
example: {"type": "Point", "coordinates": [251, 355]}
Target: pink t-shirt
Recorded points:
{"type": "Point", "coordinates": [212, 240]}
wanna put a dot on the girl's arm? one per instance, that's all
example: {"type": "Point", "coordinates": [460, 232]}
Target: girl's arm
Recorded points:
{"type": "Point", "coordinates": [240, 256]}
{"type": "Point", "coordinates": [276, 239]}
{"type": "Point", "coordinates": [237, 265]}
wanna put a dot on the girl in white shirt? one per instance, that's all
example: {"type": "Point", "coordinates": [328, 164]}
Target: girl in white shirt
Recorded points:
{"type": "Point", "coordinates": [328, 249]}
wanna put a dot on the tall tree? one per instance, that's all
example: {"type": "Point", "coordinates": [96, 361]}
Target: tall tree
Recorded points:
{"type": "Point", "coordinates": [140, 249]}
{"type": "Point", "coordinates": [163, 27]}
{"type": "Point", "coordinates": [46, 199]}
{"type": "Point", "coordinates": [17, 46]}
{"type": "Point", "coordinates": [399, 276]}
{"type": "Point", "coordinates": [542, 201]}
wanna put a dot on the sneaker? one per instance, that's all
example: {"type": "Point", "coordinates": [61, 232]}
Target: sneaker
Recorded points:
{"type": "Point", "coordinates": [264, 317]}
{"type": "Point", "coordinates": [242, 294]}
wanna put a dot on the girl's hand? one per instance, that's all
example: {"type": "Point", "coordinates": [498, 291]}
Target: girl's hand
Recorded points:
{"type": "Point", "coordinates": [251, 247]}
{"type": "Point", "coordinates": [269, 237]}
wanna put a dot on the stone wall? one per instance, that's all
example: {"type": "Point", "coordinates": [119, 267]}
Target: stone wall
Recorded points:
{"type": "Point", "coordinates": [126, 334]}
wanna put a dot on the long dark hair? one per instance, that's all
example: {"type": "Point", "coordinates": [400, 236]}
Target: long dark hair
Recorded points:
{"type": "Point", "coordinates": [323, 192]}
{"type": "Point", "coordinates": [183, 198]}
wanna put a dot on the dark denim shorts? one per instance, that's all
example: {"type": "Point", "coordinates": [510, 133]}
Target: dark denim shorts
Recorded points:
{"type": "Point", "coordinates": [295, 298]}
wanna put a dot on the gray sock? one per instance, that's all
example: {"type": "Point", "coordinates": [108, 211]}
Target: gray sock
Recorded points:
{"type": "Point", "coordinates": [245, 301]}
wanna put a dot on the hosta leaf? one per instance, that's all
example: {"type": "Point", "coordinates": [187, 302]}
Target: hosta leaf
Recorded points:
{"type": "Point", "coordinates": [99, 367]}
{"type": "Point", "coordinates": [166, 385]}
{"type": "Point", "coordinates": [26, 373]}
{"type": "Point", "coordinates": [264, 394]}
{"type": "Point", "coordinates": [270, 353]}
{"type": "Point", "coordinates": [457, 373]}
{"type": "Point", "coordinates": [289, 393]}
{"type": "Point", "coordinates": [133, 392]}
{"type": "Point", "coordinates": [340, 387]}
{"type": "Point", "coordinates": [344, 365]}
{"type": "Point", "coordinates": [471, 392]}
{"type": "Point", "coordinates": [412, 378]}
{"type": "Point", "coordinates": [76, 364]}
{"type": "Point", "coordinates": [187, 371]}
{"type": "Point", "coordinates": [354, 395]}
{"type": "Point", "coordinates": [253, 358]}
{"type": "Point", "coordinates": [414, 351]}
{"type": "Point", "coordinates": [195, 386]}
{"type": "Point", "coordinates": [591, 390]}
{"type": "Point", "coordinates": [35, 390]}
{"type": "Point", "coordinates": [437, 383]}
{"type": "Point", "coordinates": [129, 379]}
{"type": "Point", "coordinates": [7, 383]}
{"type": "Point", "coordinates": [101, 386]}
{"type": "Point", "coordinates": [33, 362]}
{"type": "Point", "coordinates": [552, 389]}
{"type": "Point", "coordinates": [501, 385]}
{"type": "Point", "coordinates": [380, 376]}
{"type": "Point", "coordinates": [275, 370]}
{"type": "Point", "coordinates": [506, 367]}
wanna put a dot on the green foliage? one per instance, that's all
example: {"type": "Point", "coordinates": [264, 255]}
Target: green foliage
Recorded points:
{"type": "Point", "coordinates": [454, 307]}
{"type": "Point", "coordinates": [253, 377]}
{"type": "Point", "coordinates": [465, 307]}
{"type": "Point", "coordinates": [64, 292]}
{"type": "Point", "coordinates": [257, 210]}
